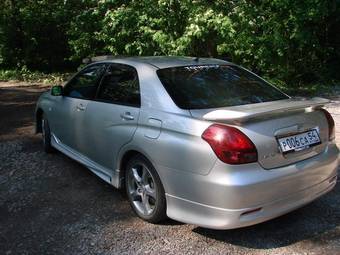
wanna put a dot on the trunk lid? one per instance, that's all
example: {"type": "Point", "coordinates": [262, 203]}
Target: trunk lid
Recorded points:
{"type": "Point", "coordinates": [263, 123]}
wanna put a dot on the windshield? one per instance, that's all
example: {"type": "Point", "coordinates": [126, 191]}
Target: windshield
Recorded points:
{"type": "Point", "coordinates": [214, 86]}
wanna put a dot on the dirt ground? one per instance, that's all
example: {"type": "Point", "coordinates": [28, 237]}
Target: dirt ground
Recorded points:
{"type": "Point", "coordinates": [49, 204]}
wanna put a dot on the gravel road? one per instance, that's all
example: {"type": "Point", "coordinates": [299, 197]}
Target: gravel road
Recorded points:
{"type": "Point", "coordinates": [49, 204]}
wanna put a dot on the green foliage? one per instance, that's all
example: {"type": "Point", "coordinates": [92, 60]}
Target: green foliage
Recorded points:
{"type": "Point", "coordinates": [33, 33]}
{"type": "Point", "coordinates": [295, 42]}
{"type": "Point", "coordinates": [24, 74]}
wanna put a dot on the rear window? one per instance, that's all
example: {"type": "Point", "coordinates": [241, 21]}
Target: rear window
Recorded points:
{"type": "Point", "coordinates": [214, 86]}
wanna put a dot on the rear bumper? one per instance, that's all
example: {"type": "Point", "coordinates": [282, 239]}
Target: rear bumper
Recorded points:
{"type": "Point", "coordinates": [220, 199]}
{"type": "Point", "coordinates": [219, 218]}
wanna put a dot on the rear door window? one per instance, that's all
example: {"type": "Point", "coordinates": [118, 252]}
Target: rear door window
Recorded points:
{"type": "Point", "coordinates": [214, 86]}
{"type": "Point", "coordinates": [120, 86]}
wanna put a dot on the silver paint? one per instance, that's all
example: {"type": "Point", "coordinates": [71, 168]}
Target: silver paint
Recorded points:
{"type": "Point", "coordinates": [200, 189]}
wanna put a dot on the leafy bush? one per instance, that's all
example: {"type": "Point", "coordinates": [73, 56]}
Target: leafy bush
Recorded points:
{"type": "Point", "coordinates": [295, 42]}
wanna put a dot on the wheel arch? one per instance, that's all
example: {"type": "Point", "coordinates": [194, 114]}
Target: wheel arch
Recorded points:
{"type": "Point", "coordinates": [124, 159]}
{"type": "Point", "coordinates": [127, 155]}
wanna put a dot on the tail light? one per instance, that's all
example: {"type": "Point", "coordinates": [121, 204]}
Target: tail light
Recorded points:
{"type": "Point", "coordinates": [230, 145]}
{"type": "Point", "coordinates": [330, 120]}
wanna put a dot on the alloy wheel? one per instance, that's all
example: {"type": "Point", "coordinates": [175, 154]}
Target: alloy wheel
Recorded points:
{"type": "Point", "coordinates": [142, 189]}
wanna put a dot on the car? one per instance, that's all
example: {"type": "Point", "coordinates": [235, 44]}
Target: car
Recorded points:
{"type": "Point", "coordinates": [199, 140]}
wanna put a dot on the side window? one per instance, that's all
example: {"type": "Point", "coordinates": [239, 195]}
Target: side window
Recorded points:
{"type": "Point", "coordinates": [84, 85]}
{"type": "Point", "coordinates": [120, 85]}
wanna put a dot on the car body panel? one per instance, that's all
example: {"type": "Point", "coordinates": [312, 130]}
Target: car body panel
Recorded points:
{"type": "Point", "coordinates": [67, 120]}
{"type": "Point", "coordinates": [180, 138]}
{"type": "Point", "coordinates": [104, 127]}
{"type": "Point", "coordinates": [247, 186]}
{"type": "Point", "coordinates": [227, 192]}
{"type": "Point", "coordinates": [159, 62]}
{"type": "Point", "coordinates": [222, 218]}
{"type": "Point", "coordinates": [200, 189]}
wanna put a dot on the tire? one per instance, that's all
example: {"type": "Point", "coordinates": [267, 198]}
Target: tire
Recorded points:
{"type": "Point", "coordinates": [145, 190]}
{"type": "Point", "coordinates": [46, 135]}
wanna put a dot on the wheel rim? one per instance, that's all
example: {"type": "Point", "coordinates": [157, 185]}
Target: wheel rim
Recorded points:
{"type": "Point", "coordinates": [142, 189]}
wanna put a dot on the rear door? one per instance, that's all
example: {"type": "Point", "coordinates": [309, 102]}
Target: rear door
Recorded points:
{"type": "Point", "coordinates": [111, 119]}
{"type": "Point", "coordinates": [68, 112]}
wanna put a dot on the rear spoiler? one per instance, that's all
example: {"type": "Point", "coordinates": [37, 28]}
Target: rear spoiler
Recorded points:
{"type": "Point", "coordinates": [245, 113]}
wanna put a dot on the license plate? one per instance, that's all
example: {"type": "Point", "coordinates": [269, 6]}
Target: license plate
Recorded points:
{"type": "Point", "coordinates": [300, 141]}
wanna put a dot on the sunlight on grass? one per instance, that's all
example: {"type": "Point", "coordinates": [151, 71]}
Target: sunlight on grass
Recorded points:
{"type": "Point", "coordinates": [29, 76]}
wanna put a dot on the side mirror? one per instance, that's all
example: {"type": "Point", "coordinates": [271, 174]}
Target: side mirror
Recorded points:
{"type": "Point", "coordinates": [57, 90]}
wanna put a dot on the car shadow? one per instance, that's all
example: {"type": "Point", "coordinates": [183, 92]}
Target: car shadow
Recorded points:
{"type": "Point", "coordinates": [308, 222]}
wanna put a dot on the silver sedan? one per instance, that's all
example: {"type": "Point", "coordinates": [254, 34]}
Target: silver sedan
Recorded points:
{"type": "Point", "coordinates": [199, 140]}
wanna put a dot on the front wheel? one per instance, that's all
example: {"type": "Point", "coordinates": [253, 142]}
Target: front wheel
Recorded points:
{"type": "Point", "coordinates": [145, 190]}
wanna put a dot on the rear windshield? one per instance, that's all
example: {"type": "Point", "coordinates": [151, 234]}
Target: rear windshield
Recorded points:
{"type": "Point", "coordinates": [214, 86]}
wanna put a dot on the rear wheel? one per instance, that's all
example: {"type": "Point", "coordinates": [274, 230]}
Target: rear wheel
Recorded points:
{"type": "Point", "coordinates": [46, 135]}
{"type": "Point", "coordinates": [145, 190]}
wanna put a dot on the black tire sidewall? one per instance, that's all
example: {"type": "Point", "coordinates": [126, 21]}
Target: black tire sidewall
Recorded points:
{"type": "Point", "coordinates": [47, 135]}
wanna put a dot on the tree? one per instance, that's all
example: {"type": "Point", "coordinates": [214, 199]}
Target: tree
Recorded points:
{"type": "Point", "coordinates": [294, 41]}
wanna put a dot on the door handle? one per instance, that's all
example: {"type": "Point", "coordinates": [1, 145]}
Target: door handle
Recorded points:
{"type": "Point", "coordinates": [81, 107]}
{"type": "Point", "coordinates": [127, 116]}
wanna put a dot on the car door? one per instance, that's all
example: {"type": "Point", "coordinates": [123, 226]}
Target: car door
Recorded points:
{"type": "Point", "coordinates": [68, 112]}
{"type": "Point", "coordinates": [111, 119]}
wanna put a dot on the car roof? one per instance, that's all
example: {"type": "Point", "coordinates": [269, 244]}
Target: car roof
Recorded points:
{"type": "Point", "coordinates": [164, 61]}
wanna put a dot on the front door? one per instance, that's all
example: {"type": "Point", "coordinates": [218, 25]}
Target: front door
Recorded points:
{"type": "Point", "coordinates": [67, 115]}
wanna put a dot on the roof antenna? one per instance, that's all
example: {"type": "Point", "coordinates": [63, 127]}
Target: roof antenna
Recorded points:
{"type": "Point", "coordinates": [196, 59]}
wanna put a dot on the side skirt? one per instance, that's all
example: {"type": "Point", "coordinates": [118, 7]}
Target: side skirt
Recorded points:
{"type": "Point", "coordinates": [97, 169]}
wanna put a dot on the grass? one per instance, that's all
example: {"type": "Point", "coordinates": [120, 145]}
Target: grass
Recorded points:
{"type": "Point", "coordinates": [33, 77]}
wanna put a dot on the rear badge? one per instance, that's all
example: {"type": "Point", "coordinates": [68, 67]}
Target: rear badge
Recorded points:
{"type": "Point", "coordinates": [271, 155]}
